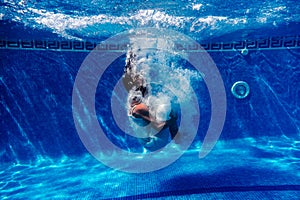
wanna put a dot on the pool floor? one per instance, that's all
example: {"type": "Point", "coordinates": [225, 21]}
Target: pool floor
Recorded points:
{"type": "Point", "coordinates": [236, 169]}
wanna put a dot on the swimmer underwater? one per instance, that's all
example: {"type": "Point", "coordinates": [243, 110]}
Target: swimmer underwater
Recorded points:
{"type": "Point", "coordinates": [164, 121]}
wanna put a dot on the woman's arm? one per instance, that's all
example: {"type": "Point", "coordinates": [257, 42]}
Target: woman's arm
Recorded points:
{"type": "Point", "coordinates": [142, 111]}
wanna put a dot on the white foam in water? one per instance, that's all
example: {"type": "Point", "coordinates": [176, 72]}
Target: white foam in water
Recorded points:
{"type": "Point", "coordinates": [197, 6]}
{"type": "Point", "coordinates": [160, 107]}
{"type": "Point", "coordinates": [155, 61]}
{"type": "Point", "coordinates": [77, 25]}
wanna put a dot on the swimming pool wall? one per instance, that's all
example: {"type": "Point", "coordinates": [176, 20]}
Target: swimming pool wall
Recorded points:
{"type": "Point", "coordinates": [37, 78]}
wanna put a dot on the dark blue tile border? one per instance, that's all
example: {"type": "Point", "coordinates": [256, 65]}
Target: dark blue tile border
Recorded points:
{"type": "Point", "coordinates": [278, 42]}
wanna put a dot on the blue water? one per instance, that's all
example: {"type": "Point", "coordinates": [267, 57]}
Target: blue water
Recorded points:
{"type": "Point", "coordinates": [258, 153]}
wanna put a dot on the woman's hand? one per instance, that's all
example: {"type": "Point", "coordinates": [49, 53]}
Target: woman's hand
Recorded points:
{"type": "Point", "coordinates": [157, 125]}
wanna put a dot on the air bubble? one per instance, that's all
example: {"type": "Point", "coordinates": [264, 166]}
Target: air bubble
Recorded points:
{"type": "Point", "coordinates": [244, 52]}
